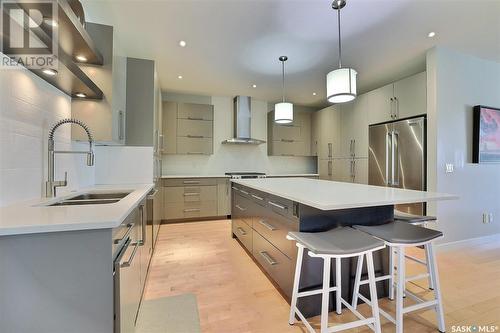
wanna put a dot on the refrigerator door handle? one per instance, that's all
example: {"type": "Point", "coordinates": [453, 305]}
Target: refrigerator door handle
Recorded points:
{"type": "Point", "coordinates": [395, 158]}
{"type": "Point", "coordinates": [388, 148]}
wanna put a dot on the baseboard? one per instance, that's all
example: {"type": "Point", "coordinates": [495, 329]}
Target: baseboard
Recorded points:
{"type": "Point", "coordinates": [467, 242]}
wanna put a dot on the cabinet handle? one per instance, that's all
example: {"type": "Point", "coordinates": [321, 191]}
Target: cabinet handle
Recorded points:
{"type": "Point", "coordinates": [391, 111]}
{"type": "Point", "coordinates": [120, 125]}
{"type": "Point", "coordinates": [257, 197]}
{"type": "Point", "coordinates": [191, 194]}
{"type": "Point", "coordinates": [330, 149]}
{"type": "Point", "coordinates": [194, 118]}
{"type": "Point", "coordinates": [287, 154]}
{"type": "Point", "coordinates": [287, 140]}
{"type": "Point", "coordinates": [195, 153]}
{"type": "Point", "coordinates": [353, 171]}
{"type": "Point", "coordinates": [277, 205]}
{"type": "Point", "coordinates": [191, 182]}
{"type": "Point", "coordinates": [132, 255]}
{"type": "Point", "coordinates": [241, 208]}
{"type": "Point", "coordinates": [188, 210]}
{"type": "Point", "coordinates": [396, 110]}
{"type": "Point", "coordinates": [160, 139]}
{"type": "Point", "coordinates": [242, 232]}
{"type": "Point", "coordinates": [129, 230]}
{"type": "Point", "coordinates": [143, 226]}
{"type": "Point", "coordinates": [330, 168]}
{"type": "Point", "coordinates": [244, 192]}
{"type": "Point", "coordinates": [268, 258]}
{"type": "Point", "coordinates": [195, 136]}
{"type": "Point", "coordinates": [235, 188]}
{"type": "Point", "coordinates": [267, 225]}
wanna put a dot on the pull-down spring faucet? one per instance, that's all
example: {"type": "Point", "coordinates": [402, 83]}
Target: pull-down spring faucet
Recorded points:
{"type": "Point", "coordinates": [51, 184]}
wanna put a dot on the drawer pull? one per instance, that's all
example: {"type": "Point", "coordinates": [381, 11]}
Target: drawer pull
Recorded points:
{"type": "Point", "coordinates": [191, 210]}
{"type": "Point", "coordinates": [235, 188]}
{"type": "Point", "coordinates": [195, 153]}
{"type": "Point", "coordinates": [194, 118]}
{"type": "Point", "coordinates": [244, 192]}
{"type": "Point", "coordinates": [287, 140]}
{"type": "Point", "coordinates": [268, 258]}
{"type": "Point", "coordinates": [191, 194]}
{"type": "Point", "coordinates": [277, 205]}
{"type": "Point", "coordinates": [130, 226]}
{"type": "Point", "coordinates": [267, 225]}
{"type": "Point", "coordinates": [195, 136]}
{"type": "Point", "coordinates": [241, 208]}
{"type": "Point", "coordinates": [257, 197]}
{"type": "Point", "coordinates": [242, 232]}
{"type": "Point", "coordinates": [191, 182]}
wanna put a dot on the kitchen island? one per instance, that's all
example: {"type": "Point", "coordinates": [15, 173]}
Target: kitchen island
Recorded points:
{"type": "Point", "coordinates": [265, 210]}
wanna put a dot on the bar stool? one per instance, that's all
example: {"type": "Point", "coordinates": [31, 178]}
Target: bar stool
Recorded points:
{"type": "Point", "coordinates": [398, 236]}
{"type": "Point", "coordinates": [343, 242]}
{"type": "Point", "coordinates": [423, 221]}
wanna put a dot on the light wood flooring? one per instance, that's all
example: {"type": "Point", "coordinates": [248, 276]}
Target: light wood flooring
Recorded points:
{"type": "Point", "coordinates": [235, 296]}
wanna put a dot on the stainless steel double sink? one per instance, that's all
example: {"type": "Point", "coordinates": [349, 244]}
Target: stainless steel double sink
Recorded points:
{"type": "Point", "coordinates": [92, 198]}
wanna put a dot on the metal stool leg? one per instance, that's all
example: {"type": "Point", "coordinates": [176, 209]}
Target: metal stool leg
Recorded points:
{"type": "Point", "coordinates": [338, 284]}
{"type": "Point", "coordinates": [357, 280]}
{"type": "Point", "coordinates": [391, 273]}
{"type": "Point", "coordinates": [400, 289]}
{"type": "Point", "coordinates": [296, 281]}
{"type": "Point", "coordinates": [373, 292]}
{"type": "Point", "coordinates": [431, 263]}
{"type": "Point", "coordinates": [325, 295]}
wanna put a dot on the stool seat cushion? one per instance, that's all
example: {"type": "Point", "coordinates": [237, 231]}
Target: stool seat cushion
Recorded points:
{"type": "Point", "coordinates": [410, 218]}
{"type": "Point", "coordinates": [338, 241]}
{"type": "Point", "coordinates": [401, 232]}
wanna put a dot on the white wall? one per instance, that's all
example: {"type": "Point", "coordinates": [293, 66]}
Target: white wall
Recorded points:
{"type": "Point", "coordinates": [236, 157]}
{"type": "Point", "coordinates": [28, 107]}
{"type": "Point", "coordinates": [123, 165]}
{"type": "Point", "coordinates": [455, 84]}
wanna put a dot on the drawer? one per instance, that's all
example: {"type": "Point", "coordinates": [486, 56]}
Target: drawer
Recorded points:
{"type": "Point", "coordinates": [189, 181]}
{"type": "Point", "coordinates": [274, 229]}
{"type": "Point", "coordinates": [190, 193]}
{"type": "Point", "coordinates": [195, 111]}
{"type": "Point", "coordinates": [194, 146]}
{"type": "Point", "coordinates": [280, 206]}
{"type": "Point", "coordinates": [279, 266]}
{"type": "Point", "coordinates": [180, 210]}
{"type": "Point", "coordinates": [195, 128]}
{"type": "Point", "coordinates": [242, 208]}
{"type": "Point", "coordinates": [258, 197]}
{"type": "Point", "coordinates": [244, 233]}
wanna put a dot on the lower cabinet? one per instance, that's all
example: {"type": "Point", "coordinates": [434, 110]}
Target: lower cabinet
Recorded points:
{"type": "Point", "coordinates": [261, 222]}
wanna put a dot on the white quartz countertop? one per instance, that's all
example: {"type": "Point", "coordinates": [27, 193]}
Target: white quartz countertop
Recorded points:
{"type": "Point", "coordinates": [193, 176]}
{"type": "Point", "coordinates": [35, 216]}
{"type": "Point", "coordinates": [329, 195]}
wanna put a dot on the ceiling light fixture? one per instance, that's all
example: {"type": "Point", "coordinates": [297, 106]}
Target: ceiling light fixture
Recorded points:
{"type": "Point", "coordinates": [283, 112]}
{"type": "Point", "coordinates": [81, 58]}
{"type": "Point", "coordinates": [431, 34]}
{"type": "Point", "coordinates": [254, 86]}
{"type": "Point", "coordinates": [314, 94]}
{"type": "Point", "coordinates": [341, 82]}
{"type": "Point", "coordinates": [180, 77]}
{"type": "Point", "coordinates": [49, 71]}
{"type": "Point", "coordinates": [80, 95]}
{"type": "Point", "coordinates": [182, 43]}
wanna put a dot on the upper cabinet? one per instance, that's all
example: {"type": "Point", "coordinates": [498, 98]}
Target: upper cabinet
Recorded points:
{"type": "Point", "coordinates": [106, 117]}
{"type": "Point", "coordinates": [398, 100]}
{"type": "Point", "coordinates": [290, 139]}
{"type": "Point", "coordinates": [187, 128]}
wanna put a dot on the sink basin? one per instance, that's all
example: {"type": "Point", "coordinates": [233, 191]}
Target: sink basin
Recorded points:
{"type": "Point", "coordinates": [93, 196]}
{"type": "Point", "coordinates": [84, 202]}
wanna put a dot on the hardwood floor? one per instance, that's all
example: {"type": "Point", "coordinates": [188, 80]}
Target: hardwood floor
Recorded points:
{"type": "Point", "coordinates": [235, 296]}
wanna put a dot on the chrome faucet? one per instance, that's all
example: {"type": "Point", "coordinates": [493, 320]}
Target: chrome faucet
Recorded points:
{"type": "Point", "coordinates": [51, 184]}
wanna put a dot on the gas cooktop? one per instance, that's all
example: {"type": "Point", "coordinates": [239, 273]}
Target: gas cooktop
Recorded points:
{"type": "Point", "coordinates": [243, 175]}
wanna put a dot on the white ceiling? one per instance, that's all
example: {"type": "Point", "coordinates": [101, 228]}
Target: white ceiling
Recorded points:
{"type": "Point", "coordinates": [232, 44]}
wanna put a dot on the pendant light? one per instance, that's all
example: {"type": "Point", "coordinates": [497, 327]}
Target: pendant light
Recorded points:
{"type": "Point", "coordinates": [341, 82]}
{"type": "Point", "coordinates": [283, 112]}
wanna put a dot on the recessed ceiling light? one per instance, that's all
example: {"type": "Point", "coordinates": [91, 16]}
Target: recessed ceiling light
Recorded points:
{"type": "Point", "coordinates": [182, 43]}
{"type": "Point", "coordinates": [431, 34]}
{"type": "Point", "coordinates": [81, 58]}
{"type": "Point", "coordinates": [49, 71]}
{"type": "Point", "coordinates": [50, 22]}
{"type": "Point", "coordinates": [81, 95]}
{"type": "Point", "coordinates": [254, 86]}
{"type": "Point", "coordinates": [314, 94]}
{"type": "Point", "coordinates": [180, 77]}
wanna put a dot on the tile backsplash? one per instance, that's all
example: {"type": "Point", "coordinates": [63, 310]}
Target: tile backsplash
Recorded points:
{"type": "Point", "coordinates": [28, 107]}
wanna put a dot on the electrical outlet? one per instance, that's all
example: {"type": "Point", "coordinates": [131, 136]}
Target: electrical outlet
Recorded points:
{"type": "Point", "coordinates": [487, 217]}
{"type": "Point", "coordinates": [490, 218]}
{"type": "Point", "coordinates": [449, 168]}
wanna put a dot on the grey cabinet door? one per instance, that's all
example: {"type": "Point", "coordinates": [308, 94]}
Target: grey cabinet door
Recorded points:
{"type": "Point", "coordinates": [195, 111]}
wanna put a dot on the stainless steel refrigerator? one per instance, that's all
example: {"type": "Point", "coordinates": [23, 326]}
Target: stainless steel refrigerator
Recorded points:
{"type": "Point", "coordinates": [397, 158]}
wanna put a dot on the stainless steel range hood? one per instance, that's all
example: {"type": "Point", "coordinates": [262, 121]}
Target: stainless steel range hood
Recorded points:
{"type": "Point", "coordinates": [242, 123]}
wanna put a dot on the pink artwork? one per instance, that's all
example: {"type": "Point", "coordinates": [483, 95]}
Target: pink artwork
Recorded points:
{"type": "Point", "coordinates": [486, 134]}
